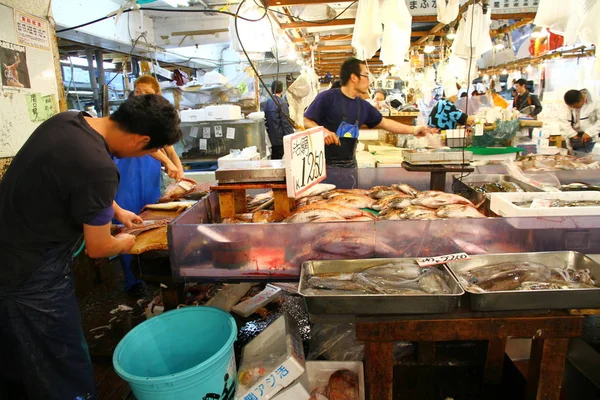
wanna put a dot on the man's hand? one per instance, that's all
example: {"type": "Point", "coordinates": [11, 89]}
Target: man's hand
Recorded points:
{"type": "Point", "coordinates": [127, 218]}
{"type": "Point", "coordinates": [126, 242]}
{"type": "Point", "coordinates": [422, 130]}
{"type": "Point", "coordinates": [585, 138]}
{"type": "Point", "coordinates": [331, 138]}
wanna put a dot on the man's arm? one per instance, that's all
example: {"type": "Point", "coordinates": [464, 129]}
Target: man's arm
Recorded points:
{"type": "Point", "coordinates": [100, 243]}
{"type": "Point", "coordinates": [172, 170]}
{"type": "Point", "coordinates": [329, 137]}
{"type": "Point", "coordinates": [172, 155]}
{"type": "Point", "coordinates": [126, 217]}
{"type": "Point", "coordinates": [538, 105]}
{"type": "Point", "coordinates": [396, 127]}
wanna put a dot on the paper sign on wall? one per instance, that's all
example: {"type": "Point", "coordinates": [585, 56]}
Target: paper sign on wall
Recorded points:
{"type": "Point", "coordinates": [206, 133]}
{"type": "Point", "coordinates": [218, 131]}
{"type": "Point", "coordinates": [230, 133]}
{"type": "Point", "coordinates": [304, 156]}
{"type": "Point", "coordinates": [203, 144]}
{"type": "Point", "coordinates": [194, 131]}
{"type": "Point", "coordinates": [31, 31]}
{"type": "Point", "coordinates": [40, 107]}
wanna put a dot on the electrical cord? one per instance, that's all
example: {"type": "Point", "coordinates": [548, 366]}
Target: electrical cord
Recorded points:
{"type": "Point", "coordinates": [462, 172]}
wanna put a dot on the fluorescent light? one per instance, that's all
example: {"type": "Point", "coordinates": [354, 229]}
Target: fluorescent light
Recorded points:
{"type": "Point", "coordinates": [429, 49]}
{"type": "Point", "coordinates": [80, 62]}
{"type": "Point", "coordinates": [177, 3]}
{"type": "Point", "coordinates": [451, 34]}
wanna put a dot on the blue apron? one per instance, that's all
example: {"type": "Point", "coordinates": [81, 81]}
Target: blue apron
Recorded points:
{"type": "Point", "coordinates": [42, 345]}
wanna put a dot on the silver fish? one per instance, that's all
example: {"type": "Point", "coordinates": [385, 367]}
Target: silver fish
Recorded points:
{"type": "Point", "coordinates": [458, 211]}
{"type": "Point", "coordinates": [380, 194]}
{"type": "Point", "coordinates": [403, 187]}
{"type": "Point", "coordinates": [355, 201]}
{"type": "Point", "coordinates": [394, 201]}
{"type": "Point", "coordinates": [436, 200]}
{"type": "Point", "coordinates": [312, 215]}
{"type": "Point", "coordinates": [419, 212]}
{"type": "Point", "coordinates": [392, 214]}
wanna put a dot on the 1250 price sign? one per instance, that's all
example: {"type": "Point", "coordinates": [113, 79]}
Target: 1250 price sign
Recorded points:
{"type": "Point", "coordinates": [304, 156]}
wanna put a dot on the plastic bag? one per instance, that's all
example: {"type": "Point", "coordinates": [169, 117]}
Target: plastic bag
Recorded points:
{"type": "Point", "coordinates": [368, 29]}
{"type": "Point", "coordinates": [335, 342]}
{"type": "Point", "coordinates": [447, 12]}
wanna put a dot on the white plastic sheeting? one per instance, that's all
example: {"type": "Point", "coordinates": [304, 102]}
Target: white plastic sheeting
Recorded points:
{"type": "Point", "coordinates": [256, 36]}
{"type": "Point", "coordinates": [300, 94]}
{"type": "Point", "coordinates": [447, 10]}
{"type": "Point", "coordinates": [366, 38]}
{"type": "Point", "coordinates": [473, 35]}
{"type": "Point", "coordinates": [397, 23]}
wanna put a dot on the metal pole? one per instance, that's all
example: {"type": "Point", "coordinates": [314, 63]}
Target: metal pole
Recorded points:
{"type": "Point", "coordinates": [89, 53]}
{"type": "Point", "coordinates": [103, 100]}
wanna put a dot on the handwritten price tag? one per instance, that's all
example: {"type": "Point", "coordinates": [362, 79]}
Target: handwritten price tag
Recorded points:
{"type": "Point", "coordinates": [428, 261]}
{"type": "Point", "coordinates": [304, 156]}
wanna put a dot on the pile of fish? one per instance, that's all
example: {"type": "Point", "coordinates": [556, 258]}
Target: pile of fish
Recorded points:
{"type": "Point", "coordinates": [537, 162]}
{"type": "Point", "coordinates": [578, 186]}
{"type": "Point", "coordinates": [496, 187]}
{"type": "Point", "coordinates": [562, 203]}
{"type": "Point", "coordinates": [325, 203]}
{"type": "Point", "coordinates": [524, 276]}
{"type": "Point", "coordinates": [392, 278]}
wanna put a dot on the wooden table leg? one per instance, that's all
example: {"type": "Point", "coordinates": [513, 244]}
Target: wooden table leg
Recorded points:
{"type": "Point", "coordinates": [438, 181]}
{"type": "Point", "coordinates": [173, 295]}
{"type": "Point", "coordinates": [425, 352]}
{"type": "Point", "coordinates": [546, 367]}
{"type": "Point", "coordinates": [494, 361]}
{"type": "Point", "coordinates": [379, 370]}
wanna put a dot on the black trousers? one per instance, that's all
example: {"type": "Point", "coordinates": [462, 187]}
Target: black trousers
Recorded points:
{"type": "Point", "coordinates": [42, 347]}
{"type": "Point", "coordinates": [276, 152]}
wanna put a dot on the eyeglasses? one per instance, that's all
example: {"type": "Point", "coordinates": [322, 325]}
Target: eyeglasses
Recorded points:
{"type": "Point", "coordinates": [364, 76]}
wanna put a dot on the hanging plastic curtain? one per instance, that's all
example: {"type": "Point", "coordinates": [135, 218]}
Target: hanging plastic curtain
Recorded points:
{"type": "Point", "coordinates": [257, 36]}
{"type": "Point", "coordinates": [367, 30]}
{"type": "Point", "coordinates": [397, 26]}
{"type": "Point", "coordinates": [447, 10]}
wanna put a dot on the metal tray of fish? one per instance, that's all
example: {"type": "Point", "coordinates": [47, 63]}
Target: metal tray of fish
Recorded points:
{"type": "Point", "coordinates": [467, 187]}
{"type": "Point", "coordinates": [361, 304]}
{"type": "Point", "coordinates": [540, 299]}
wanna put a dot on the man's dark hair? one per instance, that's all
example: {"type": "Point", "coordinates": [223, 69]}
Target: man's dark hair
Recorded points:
{"type": "Point", "coordinates": [149, 115]}
{"type": "Point", "coordinates": [573, 97]}
{"type": "Point", "coordinates": [277, 87]}
{"type": "Point", "coordinates": [522, 82]}
{"type": "Point", "coordinates": [349, 67]}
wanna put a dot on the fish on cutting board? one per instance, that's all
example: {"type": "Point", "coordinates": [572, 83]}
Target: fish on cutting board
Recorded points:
{"type": "Point", "coordinates": [173, 205]}
{"type": "Point", "coordinates": [178, 189]}
{"type": "Point", "coordinates": [137, 229]}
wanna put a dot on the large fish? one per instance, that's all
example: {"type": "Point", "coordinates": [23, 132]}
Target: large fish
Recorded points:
{"type": "Point", "coordinates": [419, 212]}
{"type": "Point", "coordinates": [392, 214]}
{"type": "Point", "coordinates": [381, 193]}
{"type": "Point", "coordinates": [171, 206]}
{"type": "Point", "coordinates": [312, 215]}
{"type": "Point", "coordinates": [339, 192]}
{"type": "Point", "coordinates": [316, 190]}
{"type": "Point", "coordinates": [401, 200]}
{"type": "Point", "coordinates": [346, 212]}
{"type": "Point", "coordinates": [136, 229]}
{"type": "Point", "coordinates": [259, 200]}
{"type": "Point", "coordinates": [436, 200]}
{"type": "Point", "coordinates": [178, 189]}
{"type": "Point", "coordinates": [356, 201]}
{"type": "Point", "coordinates": [458, 211]}
{"type": "Point", "coordinates": [403, 187]}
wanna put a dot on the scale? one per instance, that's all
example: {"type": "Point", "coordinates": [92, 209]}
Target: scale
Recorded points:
{"type": "Point", "coordinates": [437, 157]}
{"type": "Point", "coordinates": [238, 176]}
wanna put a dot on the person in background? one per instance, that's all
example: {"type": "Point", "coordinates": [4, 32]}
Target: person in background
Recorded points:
{"type": "Point", "coordinates": [379, 100]}
{"type": "Point", "coordinates": [445, 115]}
{"type": "Point", "coordinates": [525, 99]}
{"type": "Point", "coordinates": [140, 182]}
{"type": "Point", "coordinates": [342, 111]}
{"type": "Point", "coordinates": [579, 120]}
{"type": "Point", "coordinates": [336, 85]}
{"type": "Point", "coordinates": [277, 120]}
{"type": "Point", "coordinates": [59, 187]}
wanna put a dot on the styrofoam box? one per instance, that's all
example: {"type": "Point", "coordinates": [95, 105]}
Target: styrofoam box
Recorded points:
{"type": "Point", "coordinates": [279, 341]}
{"type": "Point", "coordinates": [223, 112]}
{"type": "Point", "coordinates": [299, 390]}
{"type": "Point", "coordinates": [192, 115]}
{"type": "Point", "coordinates": [230, 159]}
{"type": "Point", "coordinates": [320, 371]}
{"type": "Point", "coordinates": [503, 204]}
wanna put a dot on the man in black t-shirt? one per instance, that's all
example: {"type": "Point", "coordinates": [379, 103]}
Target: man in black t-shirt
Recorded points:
{"type": "Point", "coordinates": [340, 110]}
{"type": "Point", "coordinates": [60, 185]}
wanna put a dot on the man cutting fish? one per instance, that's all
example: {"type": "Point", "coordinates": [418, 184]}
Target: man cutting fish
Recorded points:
{"type": "Point", "coordinates": [60, 185]}
{"type": "Point", "coordinates": [342, 111]}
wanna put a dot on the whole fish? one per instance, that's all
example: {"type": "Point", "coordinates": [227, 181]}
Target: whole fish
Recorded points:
{"type": "Point", "coordinates": [339, 192]}
{"type": "Point", "coordinates": [259, 199]}
{"type": "Point", "coordinates": [381, 193]}
{"type": "Point", "coordinates": [392, 214]}
{"type": "Point", "coordinates": [403, 187]}
{"type": "Point", "coordinates": [508, 186]}
{"type": "Point", "coordinates": [312, 215]}
{"type": "Point", "coordinates": [346, 212]}
{"type": "Point", "coordinates": [309, 200]}
{"type": "Point", "coordinates": [458, 211]}
{"type": "Point", "coordinates": [266, 216]}
{"type": "Point", "coordinates": [178, 189]}
{"type": "Point", "coordinates": [400, 200]}
{"type": "Point", "coordinates": [429, 193]}
{"type": "Point", "coordinates": [316, 190]}
{"type": "Point", "coordinates": [400, 270]}
{"type": "Point", "coordinates": [356, 201]}
{"type": "Point", "coordinates": [433, 282]}
{"type": "Point", "coordinates": [419, 212]}
{"type": "Point", "coordinates": [437, 200]}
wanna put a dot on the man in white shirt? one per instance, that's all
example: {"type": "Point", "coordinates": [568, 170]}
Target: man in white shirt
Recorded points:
{"type": "Point", "coordinates": [579, 120]}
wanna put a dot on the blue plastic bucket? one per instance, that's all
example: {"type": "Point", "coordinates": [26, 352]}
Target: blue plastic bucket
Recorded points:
{"type": "Point", "coordinates": [180, 354]}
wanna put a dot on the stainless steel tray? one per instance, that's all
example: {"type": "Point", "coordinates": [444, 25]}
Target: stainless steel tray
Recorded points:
{"type": "Point", "coordinates": [437, 157]}
{"type": "Point", "coordinates": [533, 299]}
{"type": "Point", "coordinates": [252, 171]}
{"type": "Point", "coordinates": [358, 304]}
{"type": "Point", "coordinates": [465, 187]}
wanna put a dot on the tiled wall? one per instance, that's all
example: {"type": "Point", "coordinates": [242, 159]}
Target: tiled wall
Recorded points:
{"type": "Point", "coordinates": [4, 163]}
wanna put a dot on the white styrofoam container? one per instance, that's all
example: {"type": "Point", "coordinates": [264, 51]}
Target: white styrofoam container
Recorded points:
{"type": "Point", "coordinates": [495, 157]}
{"type": "Point", "coordinates": [320, 371]}
{"type": "Point", "coordinates": [368, 134]}
{"type": "Point", "coordinates": [230, 159]}
{"type": "Point", "coordinates": [223, 112]}
{"type": "Point", "coordinates": [192, 115]}
{"type": "Point", "coordinates": [299, 390]}
{"type": "Point", "coordinates": [280, 348]}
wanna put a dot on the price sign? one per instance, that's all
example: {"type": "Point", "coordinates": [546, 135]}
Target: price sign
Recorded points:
{"type": "Point", "coordinates": [304, 156]}
{"type": "Point", "coordinates": [206, 133]}
{"type": "Point", "coordinates": [194, 131]}
{"type": "Point", "coordinates": [218, 131]}
{"type": "Point", "coordinates": [428, 261]}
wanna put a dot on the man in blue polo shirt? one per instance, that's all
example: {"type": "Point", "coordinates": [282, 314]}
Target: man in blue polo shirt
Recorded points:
{"type": "Point", "coordinates": [341, 112]}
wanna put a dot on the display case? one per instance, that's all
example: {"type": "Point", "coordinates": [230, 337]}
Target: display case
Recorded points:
{"type": "Point", "coordinates": [206, 141]}
{"type": "Point", "coordinates": [202, 249]}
